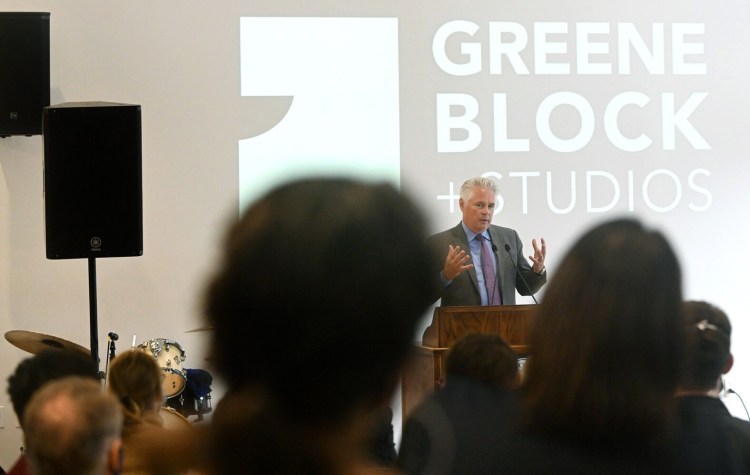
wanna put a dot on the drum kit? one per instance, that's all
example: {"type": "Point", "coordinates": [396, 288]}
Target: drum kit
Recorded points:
{"type": "Point", "coordinates": [187, 391]}
{"type": "Point", "coordinates": [170, 355]}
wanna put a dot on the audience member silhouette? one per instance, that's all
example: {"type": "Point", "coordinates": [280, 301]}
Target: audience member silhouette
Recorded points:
{"type": "Point", "coordinates": [457, 429]}
{"type": "Point", "coordinates": [710, 439]}
{"type": "Point", "coordinates": [314, 308]}
{"type": "Point", "coordinates": [33, 372]}
{"type": "Point", "coordinates": [72, 427]}
{"type": "Point", "coordinates": [136, 380]}
{"type": "Point", "coordinates": [383, 445]}
{"type": "Point", "coordinates": [607, 345]}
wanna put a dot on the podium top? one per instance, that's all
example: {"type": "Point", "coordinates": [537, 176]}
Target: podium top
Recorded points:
{"type": "Point", "coordinates": [511, 322]}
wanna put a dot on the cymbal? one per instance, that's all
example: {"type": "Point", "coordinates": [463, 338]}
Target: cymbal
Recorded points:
{"type": "Point", "coordinates": [34, 342]}
{"type": "Point", "coordinates": [204, 328]}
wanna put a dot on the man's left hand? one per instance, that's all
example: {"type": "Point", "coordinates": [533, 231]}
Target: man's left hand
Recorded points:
{"type": "Point", "coordinates": [539, 255]}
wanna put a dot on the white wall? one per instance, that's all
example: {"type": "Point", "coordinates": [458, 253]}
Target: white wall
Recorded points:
{"type": "Point", "coordinates": [181, 61]}
{"type": "Point", "coordinates": [178, 60]}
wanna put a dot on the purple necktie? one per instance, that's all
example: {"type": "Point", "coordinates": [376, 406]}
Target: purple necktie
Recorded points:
{"type": "Point", "coordinates": [488, 270]}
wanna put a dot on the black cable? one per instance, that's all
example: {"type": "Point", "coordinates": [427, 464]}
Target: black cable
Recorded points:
{"type": "Point", "coordinates": [732, 391]}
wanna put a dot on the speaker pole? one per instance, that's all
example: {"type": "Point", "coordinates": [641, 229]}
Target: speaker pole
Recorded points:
{"type": "Point", "coordinates": [92, 311]}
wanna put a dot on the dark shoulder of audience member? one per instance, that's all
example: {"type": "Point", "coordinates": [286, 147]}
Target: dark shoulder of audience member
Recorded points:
{"type": "Point", "coordinates": [459, 428]}
{"type": "Point", "coordinates": [382, 446]}
{"type": "Point", "coordinates": [48, 365]}
{"type": "Point", "coordinates": [710, 440]}
{"type": "Point", "coordinates": [321, 283]}
{"type": "Point", "coordinates": [607, 345]}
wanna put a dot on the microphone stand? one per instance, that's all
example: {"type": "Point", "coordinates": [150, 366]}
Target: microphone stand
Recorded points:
{"type": "Point", "coordinates": [497, 270]}
{"type": "Point", "coordinates": [111, 338]}
{"type": "Point", "coordinates": [518, 273]}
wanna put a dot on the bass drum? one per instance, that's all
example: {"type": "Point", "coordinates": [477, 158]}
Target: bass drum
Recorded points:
{"type": "Point", "coordinates": [196, 398]}
{"type": "Point", "coordinates": [169, 355]}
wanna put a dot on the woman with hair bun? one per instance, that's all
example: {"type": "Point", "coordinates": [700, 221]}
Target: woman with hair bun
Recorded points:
{"type": "Point", "coordinates": [710, 439]}
{"type": "Point", "coordinates": [136, 380]}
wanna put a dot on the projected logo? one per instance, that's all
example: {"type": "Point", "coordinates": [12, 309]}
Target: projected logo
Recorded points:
{"type": "Point", "coordinates": [342, 76]}
{"type": "Point", "coordinates": [642, 104]}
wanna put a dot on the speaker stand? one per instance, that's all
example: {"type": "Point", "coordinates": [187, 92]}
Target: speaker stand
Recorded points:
{"type": "Point", "coordinates": [93, 317]}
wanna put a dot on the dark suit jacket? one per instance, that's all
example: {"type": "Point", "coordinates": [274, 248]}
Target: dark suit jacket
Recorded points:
{"type": "Point", "coordinates": [709, 440]}
{"type": "Point", "coordinates": [464, 290]}
{"type": "Point", "coordinates": [458, 430]}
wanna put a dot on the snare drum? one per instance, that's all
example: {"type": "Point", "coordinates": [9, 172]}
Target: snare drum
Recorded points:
{"type": "Point", "coordinates": [169, 355]}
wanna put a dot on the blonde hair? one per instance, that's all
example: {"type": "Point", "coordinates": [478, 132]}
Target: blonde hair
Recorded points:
{"type": "Point", "coordinates": [135, 378]}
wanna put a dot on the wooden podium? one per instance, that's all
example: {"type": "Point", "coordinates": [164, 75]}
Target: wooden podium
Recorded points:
{"type": "Point", "coordinates": [425, 369]}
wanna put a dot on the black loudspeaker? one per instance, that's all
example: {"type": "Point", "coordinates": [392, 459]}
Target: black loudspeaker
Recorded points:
{"type": "Point", "coordinates": [93, 191]}
{"type": "Point", "coordinates": [24, 72]}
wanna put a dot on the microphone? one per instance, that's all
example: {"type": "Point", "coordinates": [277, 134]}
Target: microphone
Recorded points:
{"type": "Point", "coordinates": [518, 273]}
{"type": "Point", "coordinates": [113, 336]}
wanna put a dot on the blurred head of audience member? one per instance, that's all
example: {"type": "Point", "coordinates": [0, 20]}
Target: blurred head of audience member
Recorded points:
{"type": "Point", "coordinates": [608, 341]}
{"type": "Point", "coordinates": [314, 307]}
{"type": "Point", "coordinates": [134, 377]}
{"type": "Point", "coordinates": [708, 438]}
{"type": "Point", "coordinates": [72, 427]}
{"type": "Point", "coordinates": [460, 428]}
{"type": "Point", "coordinates": [708, 354]}
{"type": "Point", "coordinates": [47, 366]}
{"type": "Point", "coordinates": [150, 446]}
{"type": "Point", "coordinates": [483, 358]}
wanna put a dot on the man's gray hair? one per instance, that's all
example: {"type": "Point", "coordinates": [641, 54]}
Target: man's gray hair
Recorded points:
{"type": "Point", "coordinates": [74, 441]}
{"type": "Point", "coordinates": [475, 182]}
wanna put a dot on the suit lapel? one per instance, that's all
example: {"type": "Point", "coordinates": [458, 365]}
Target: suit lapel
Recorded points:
{"type": "Point", "coordinates": [497, 240]}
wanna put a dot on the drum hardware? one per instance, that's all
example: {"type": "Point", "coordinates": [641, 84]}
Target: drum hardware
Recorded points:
{"type": "Point", "coordinates": [191, 406]}
{"type": "Point", "coordinates": [196, 398]}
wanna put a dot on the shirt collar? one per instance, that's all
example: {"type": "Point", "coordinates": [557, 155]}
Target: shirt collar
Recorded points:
{"type": "Point", "coordinates": [470, 235]}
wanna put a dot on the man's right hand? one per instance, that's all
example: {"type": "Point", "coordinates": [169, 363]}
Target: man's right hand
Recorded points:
{"type": "Point", "coordinates": [456, 262]}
